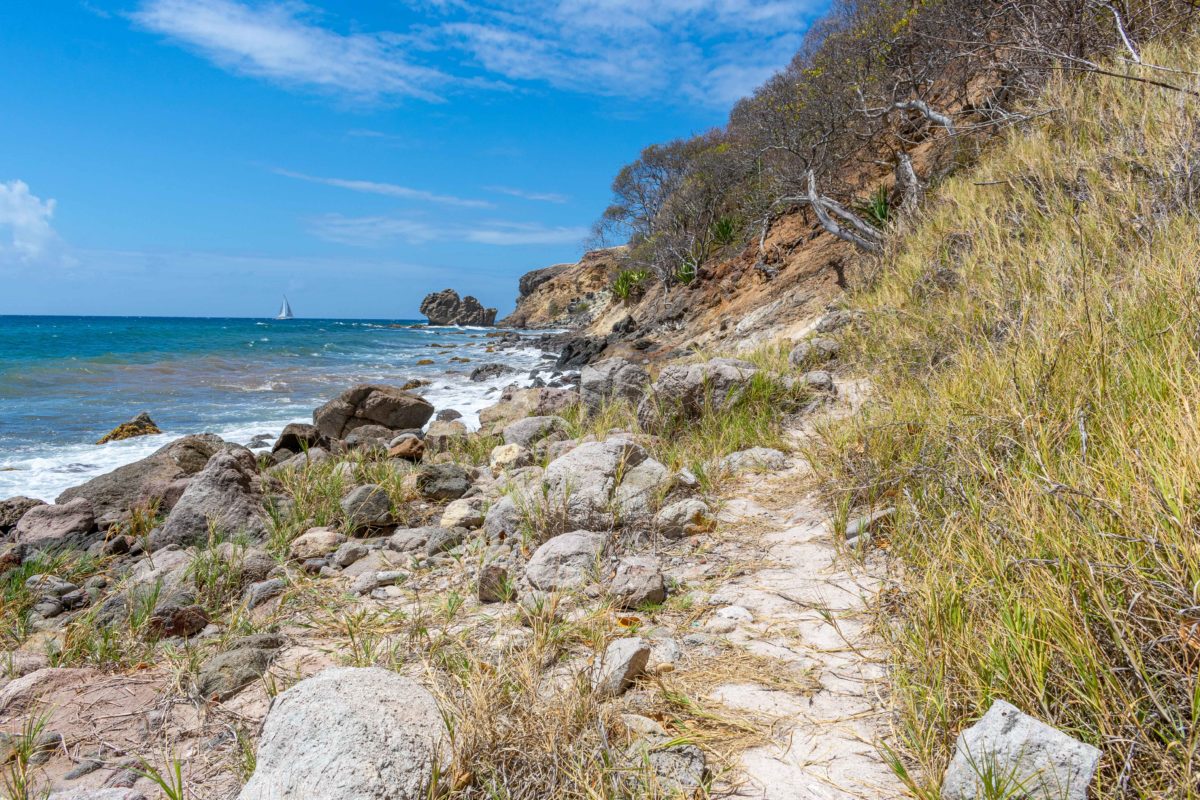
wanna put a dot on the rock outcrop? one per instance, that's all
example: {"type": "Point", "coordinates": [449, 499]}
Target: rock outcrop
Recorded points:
{"type": "Point", "coordinates": [683, 391]}
{"type": "Point", "coordinates": [56, 526]}
{"type": "Point", "coordinates": [141, 425]}
{"type": "Point", "coordinates": [447, 308]}
{"type": "Point", "coordinates": [371, 404]}
{"type": "Point", "coordinates": [349, 734]}
{"type": "Point", "coordinates": [611, 380]}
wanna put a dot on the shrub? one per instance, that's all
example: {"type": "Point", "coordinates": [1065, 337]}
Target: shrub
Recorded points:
{"type": "Point", "coordinates": [630, 284]}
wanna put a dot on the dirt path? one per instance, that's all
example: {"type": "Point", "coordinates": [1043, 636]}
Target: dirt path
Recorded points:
{"type": "Point", "coordinates": [808, 605]}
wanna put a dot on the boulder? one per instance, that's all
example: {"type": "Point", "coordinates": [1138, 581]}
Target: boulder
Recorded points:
{"type": "Point", "coordinates": [409, 448]}
{"type": "Point", "coordinates": [569, 561]}
{"type": "Point", "coordinates": [1032, 759]}
{"type": "Point", "coordinates": [367, 506]}
{"type": "Point", "coordinates": [300, 461]}
{"type": "Point", "coordinates": [176, 618]}
{"type": "Point", "coordinates": [448, 415]}
{"type": "Point", "coordinates": [638, 582]}
{"type": "Point", "coordinates": [225, 674]}
{"type": "Point", "coordinates": [442, 540]}
{"type": "Point", "coordinates": [531, 430]}
{"type": "Point", "coordinates": [466, 512]}
{"type": "Point", "coordinates": [611, 380]}
{"type": "Point", "coordinates": [684, 518]}
{"type": "Point", "coordinates": [299, 437]}
{"type": "Point", "coordinates": [819, 380]}
{"type": "Point", "coordinates": [350, 734]}
{"type": "Point", "coordinates": [258, 593]}
{"type": "Point", "coordinates": [221, 496]}
{"type": "Point", "coordinates": [684, 391]}
{"type": "Point", "coordinates": [487, 372]}
{"type": "Point", "coordinates": [315, 543]}
{"type": "Point", "coordinates": [505, 457]}
{"type": "Point", "coordinates": [680, 770]}
{"type": "Point", "coordinates": [441, 436]}
{"type": "Point", "coordinates": [147, 481]}
{"type": "Point", "coordinates": [371, 404]}
{"type": "Point", "coordinates": [601, 484]}
{"type": "Point", "coordinates": [12, 509]}
{"type": "Point", "coordinates": [580, 351]}
{"type": "Point", "coordinates": [494, 584]}
{"type": "Point", "coordinates": [141, 425]}
{"type": "Point", "coordinates": [56, 526]}
{"type": "Point", "coordinates": [446, 308]}
{"type": "Point", "coordinates": [623, 661]}
{"type": "Point", "coordinates": [443, 481]}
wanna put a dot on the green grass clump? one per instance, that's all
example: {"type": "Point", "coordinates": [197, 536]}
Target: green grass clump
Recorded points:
{"type": "Point", "coordinates": [630, 283]}
{"type": "Point", "coordinates": [1034, 346]}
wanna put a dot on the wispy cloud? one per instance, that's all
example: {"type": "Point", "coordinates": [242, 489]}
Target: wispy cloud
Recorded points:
{"type": "Point", "coordinates": [26, 235]}
{"type": "Point", "coordinates": [285, 42]}
{"type": "Point", "coordinates": [387, 190]}
{"type": "Point", "coordinates": [541, 197]}
{"type": "Point", "coordinates": [710, 51]}
{"type": "Point", "coordinates": [374, 231]}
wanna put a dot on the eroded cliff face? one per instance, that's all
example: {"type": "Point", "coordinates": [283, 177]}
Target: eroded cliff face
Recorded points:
{"type": "Point", "coordinates": [735, 303]}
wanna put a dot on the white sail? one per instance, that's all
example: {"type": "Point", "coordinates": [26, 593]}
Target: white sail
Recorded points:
{"type": "Point", "coordinates": [286, 311]}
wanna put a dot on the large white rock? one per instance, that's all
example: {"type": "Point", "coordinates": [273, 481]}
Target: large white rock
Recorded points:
{"type": "Point", "coordinates": [349, 734]}
{"type": "Point", "coordinates": [601, 484]}
{"type": "Point", "coordinates": [1028, 755]}
{"type": "Point", "coordinates": [612, 379]}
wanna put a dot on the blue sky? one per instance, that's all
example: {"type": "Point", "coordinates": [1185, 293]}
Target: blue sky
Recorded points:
{"type": "Point", "coordinates": [201, 157]}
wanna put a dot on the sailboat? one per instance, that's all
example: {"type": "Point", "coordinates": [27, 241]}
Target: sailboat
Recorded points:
{"type": "Point", "coordinates": [286, 311]}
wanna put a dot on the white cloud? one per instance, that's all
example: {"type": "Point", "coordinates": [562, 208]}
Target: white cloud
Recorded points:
{"type": "Point", "coordinates": [25, 231]}
{"type": "Point", "coordinates": [374, 231]}
{"type": "Point", "coordinates": [541, 197]}
{"type": "Point", "coordinates": [387, 190]}
{"type": "Point", "coordinates": [282, 41]}
{"type": "Point", "coordinates": [709, 51]}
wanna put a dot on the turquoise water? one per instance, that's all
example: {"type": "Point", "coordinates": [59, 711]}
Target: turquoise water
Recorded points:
{"type": "Point", "coordinates": [65, 381]}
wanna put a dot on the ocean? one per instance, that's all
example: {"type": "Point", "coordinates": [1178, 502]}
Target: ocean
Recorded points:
{"type": "Point", "coordinates": [66, 381]}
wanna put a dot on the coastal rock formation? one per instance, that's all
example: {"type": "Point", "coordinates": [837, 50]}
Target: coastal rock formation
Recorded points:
{"type": "Point", "coordinates": [58, 525]}
{"type": "Point", "coordinates": [447, 308]}
{"type": "Point", "coordinates": [141, 425]}
{"type": "Point", "coordinates": [12, 509]}
{"type": "Point", "coordinates": [371, 404]}
{"type": "Point", "coordinates": [349, 734]}
{"type": "Point", "coordinates": [145, 482]}
{"type": "Point", "coordinates": [221, 496]}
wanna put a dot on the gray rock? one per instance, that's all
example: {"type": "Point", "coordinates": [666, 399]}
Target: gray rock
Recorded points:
{"type": "Point", "coordinates": [367, 506]}
{"type": "Point", "coordinates": [683, 391]}
{"type": "Point", "coordinates": [350, 734]}
{"type": "Point", "coordinates": [610, 380]}
{"type": "Point", "coordinates": [494, 585]}
{"type": "Point", "coordinates": [466, 512]}
{"type": "Point", "coordinates": [347, 553]}
{"type": "Point", "coordinates": [1036, 761]}
{"type": "Point", "coordinates": [300, 461]}
{"type": "Point", "coordinates": [504, 519]}
{"type": "Point", "coordinates": [442, 436]}
{"type": "Point", "coordinates": [315, 543]}
{"type": "Point", "coordinates": [486, 372]}
{"type": "Point", "coordinates": [813, 351]}
{"type": "Point", "coordinates": [411, 539]}
{"type": "Point", "coordinates": [225, 674]}
{"type": "Point", "coordinates": [58, 525]}
{"type": "Point", "coordinates": [568, 561]}
{"type": "Point", "coordinates": [370, 581]}
{"type": "Point", "coordinates": [222, 496]}
{"type": "Point", "coordinates": [638, 582]}
{"type": "Point", "coordinates": [531, 430]}
{"type": "Point", "coordinates": [819, 380]}
{"type": "Point", "coordinates": [443, 481]}
{"type": "Point", "coordinates": [684, 518]}
{"type": "Point", "coordinates": [12, 509]}
{"type": "Point", "coordinates": [600, 484]}
{"type": "Point", "coordinates": [371, 404]}
{"type": "Point", "coordinates": [299, 437]}
{"type": "Point", "coordinates": [147, 481]}
{"type": "Point", "coordinates": [448, 415]}
{"type": "Point", "coordinates": [623, 661]}
{"type": "Point", "coordinates": [756, 459]}
{"type": "Point", "coordinates": [679, 770]}
{"type": "Point", "coordinates": [443, 540]}
{"type": "Point", "coordinates": [258, 593]}
{"type": "Point", "coordinates": [446, 308]}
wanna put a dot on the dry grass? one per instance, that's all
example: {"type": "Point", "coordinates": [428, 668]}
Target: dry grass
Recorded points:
{"type": "Point", "coordinates": [1034, 342]}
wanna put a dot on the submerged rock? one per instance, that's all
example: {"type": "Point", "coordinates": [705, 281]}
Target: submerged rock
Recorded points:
{"type": "Point", "coordinates": [141, 425]}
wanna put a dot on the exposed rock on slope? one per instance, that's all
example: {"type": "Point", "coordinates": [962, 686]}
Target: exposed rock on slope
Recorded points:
{"type": "Point", "coordinates": [446, 308]}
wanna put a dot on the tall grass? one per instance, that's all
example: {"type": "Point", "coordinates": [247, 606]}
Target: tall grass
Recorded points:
{"type": "Point", "coordinates": [1034, 344]}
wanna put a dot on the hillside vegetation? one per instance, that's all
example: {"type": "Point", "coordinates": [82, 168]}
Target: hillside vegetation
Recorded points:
{"type": "Point", "coordinates": [1034, 343]}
